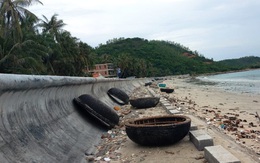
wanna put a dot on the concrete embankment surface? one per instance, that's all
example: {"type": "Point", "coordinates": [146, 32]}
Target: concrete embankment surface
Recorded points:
{"type": "Point", "coordinates": [40, 123]}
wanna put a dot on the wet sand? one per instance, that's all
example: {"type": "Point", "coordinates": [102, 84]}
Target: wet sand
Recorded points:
{"type": "Point", "coordinates": [212, 110]}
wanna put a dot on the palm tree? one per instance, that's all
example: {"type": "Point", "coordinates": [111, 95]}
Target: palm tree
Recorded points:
{"type": "Point", "coordinates": [85, 55]}
{"type": "Point", "coordinates": [24, 57]}
{"type": "Point", "coordinates": [52, 26]}
{"type": "Point", "coordinates": [124, 62]}
{"type": "Point", "coordinates": [12, 12]}
{"type": "Point", "coordinates": [29, 24]}
{"type": "Point", "coordinates": [18, 53]}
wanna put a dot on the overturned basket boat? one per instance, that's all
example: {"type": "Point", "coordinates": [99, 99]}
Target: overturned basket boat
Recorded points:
{"type": "Point", "coordinates": [118, 96]}
{"type": "Point", "coordinates": [145, 102]}
{"type": "Point", "coordinates": [167, 90]}
{"type": "Point", "coordinates": [148, 83]}
{"type": "Point", "coordinates": [159, 130]}
{"type": "Point", "coordinates": [97, 109]}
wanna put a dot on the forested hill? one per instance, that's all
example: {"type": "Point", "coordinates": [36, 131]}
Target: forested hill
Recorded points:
{"type": "Point", "coordinates": [157, 58]}
{"type": "Point", "coordinates": [242, 63]}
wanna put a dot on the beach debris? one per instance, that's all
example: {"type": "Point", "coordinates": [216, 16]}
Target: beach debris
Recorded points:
{"type": "Point", "coordinates": [199, 157]}
{"type": "Point", "coordinates": [228, 122]}
{"type": "Point", "coordinates": [98, 158]}
{"type": "Point", "coordinates": [117, 108]}
{"type": "Point", "coordinates": [90, 159]}
{"type": "Point", "coordinates": [257, 116]}
{"type": "Point", "coordinates": [169, 152]}
{"type": "Point", "coordinates": [251, 124]}
{"type": "Point", "coordinates": [107, 159]}
{"type": "Point", "coordinates": [234, 109]}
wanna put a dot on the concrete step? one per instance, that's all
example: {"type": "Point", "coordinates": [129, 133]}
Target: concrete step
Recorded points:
{"type": "Point", "coordinates": [200, 139]}
{"type": "Point", "coordinates": [193, 127]}
{"type": "Point", "coordinates": [218, 154]}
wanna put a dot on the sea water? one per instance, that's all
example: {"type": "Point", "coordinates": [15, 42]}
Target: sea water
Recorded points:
{"type": "Point", "coordinates": [238, 82]}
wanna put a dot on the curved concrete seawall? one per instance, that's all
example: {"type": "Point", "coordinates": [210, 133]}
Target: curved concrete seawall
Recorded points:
{"type": "Point", "coordinates": [39, 122]}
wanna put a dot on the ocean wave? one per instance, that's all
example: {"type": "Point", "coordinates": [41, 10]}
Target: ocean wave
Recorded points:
{"type": "Point", "coordinates": [240, 82]}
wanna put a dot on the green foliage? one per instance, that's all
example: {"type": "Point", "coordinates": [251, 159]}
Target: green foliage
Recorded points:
{"type": "Point", "coordinates": [131, 66]}
{"type": "Point", "coordinates": [242, 63]}
{"type": "Point", "coordinates": [163, 57]}
{"type": "Point", "coordinates": [53, 52]}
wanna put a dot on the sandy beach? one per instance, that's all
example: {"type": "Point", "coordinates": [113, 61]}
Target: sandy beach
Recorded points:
{"type": "Point", "coordinates": [215, 106]}
{"type": "Point", "coordinates": [229, 118]}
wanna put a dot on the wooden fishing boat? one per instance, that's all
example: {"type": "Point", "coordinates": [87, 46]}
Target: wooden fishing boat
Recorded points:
{"type": "Point", "coordinates": [144, 102]}
{"type": "Point", "coordinates": [158, 130]}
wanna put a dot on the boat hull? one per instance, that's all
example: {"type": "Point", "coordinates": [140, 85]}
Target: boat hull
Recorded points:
{"type": "Point", "coordinates": [158, 131]}
{"type": "Point", "coordinates": [146, 102]}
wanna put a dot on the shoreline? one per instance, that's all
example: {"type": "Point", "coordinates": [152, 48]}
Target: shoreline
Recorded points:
{"type": "Point", "coordinates": [225, 72]}
{"type": "Point", "coordinates": [237, 85]}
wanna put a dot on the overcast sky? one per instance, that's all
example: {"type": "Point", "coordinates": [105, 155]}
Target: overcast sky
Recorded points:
{"type": "Point", "coordinates": [221, 29]}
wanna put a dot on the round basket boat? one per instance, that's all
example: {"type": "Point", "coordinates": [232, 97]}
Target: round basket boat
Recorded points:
{"type": "Point", "coordinates": [167, 90]}
{"type": "Point", "coordinates": [161, 85]}
{"type": "Point", "coordinates": [98, 109]}
{"type": "Point", "coordinates": [145, 102]}
{"type": "Point", "coordinates": [118, 96]}
{"type": "Point", "coordinates": [159, 130]}
{"type": "Point", "coordinates": [147, 83]}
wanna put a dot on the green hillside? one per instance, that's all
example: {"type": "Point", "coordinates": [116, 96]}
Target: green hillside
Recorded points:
{"type": "Point", "coordinates": [158, 58]}
{"type": "Point", "coordinates": [242, 63]}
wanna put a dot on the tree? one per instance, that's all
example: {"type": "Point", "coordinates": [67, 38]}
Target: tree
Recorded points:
{"type": "Point", "coordinates": [18, 54]}
{"type": "Point", "coordinates": [29, 25]}
{"type": "Point", "coordinates": [24, 57]}
{"type": "Point", "coordinates": [52, 26]}
{"type": "Point", "coordinates": [51, 34]}
{"type": "Point", "coordinates": [12, 12]}
{"type": "Point", "coordinates": [124, 63]}
{"type": "Point", "coordinates": [85, 56]}
{"type": "Point", "coordinates": [131, 66]}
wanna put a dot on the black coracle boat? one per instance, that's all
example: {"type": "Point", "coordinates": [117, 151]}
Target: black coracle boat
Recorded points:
{"type": "Point", "coordinates": [158, 130]}
{"type": "Point", "coordinates": [145, 102]}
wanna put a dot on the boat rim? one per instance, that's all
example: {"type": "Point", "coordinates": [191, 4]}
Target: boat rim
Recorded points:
{"type": "Point", "coordinates": [131, 123]}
